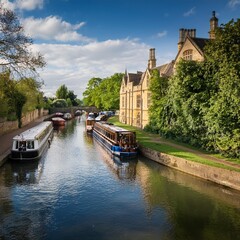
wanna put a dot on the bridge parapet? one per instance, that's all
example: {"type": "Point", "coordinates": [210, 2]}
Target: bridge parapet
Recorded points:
{"type": "Point", "coordinates": [72, 110]}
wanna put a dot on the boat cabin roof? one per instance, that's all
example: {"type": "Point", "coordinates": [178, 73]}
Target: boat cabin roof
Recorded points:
{"type": "Point", "coordinates": [32, 133]}
{"type": "Point", "coordinates": [114, 128]}
{"type": "Point", "coordinates": [90, 118]}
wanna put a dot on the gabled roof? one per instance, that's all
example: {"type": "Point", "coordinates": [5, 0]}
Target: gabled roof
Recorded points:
{"type": "Point", "coordinates": [166, 69]}
{"type": "Point", "coordinates": [135, 78]}
{"type": "Point", "coordinates": [198, 43]}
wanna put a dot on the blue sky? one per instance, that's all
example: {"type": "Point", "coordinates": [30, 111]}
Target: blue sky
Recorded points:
{"type": "Point", "coordinates": [81, 39]}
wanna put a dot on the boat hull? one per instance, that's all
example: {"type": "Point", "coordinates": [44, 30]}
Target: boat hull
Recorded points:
{"type": "Point", "coordinates": [115, 150]}
{"type": "Point", "coordinates": [57, 121]}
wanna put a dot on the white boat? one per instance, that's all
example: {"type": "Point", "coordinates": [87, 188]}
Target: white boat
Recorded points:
{"type": "Point", "coordinates": [30, 144]}
{"type": "Point", "coordinates": [67, 116]}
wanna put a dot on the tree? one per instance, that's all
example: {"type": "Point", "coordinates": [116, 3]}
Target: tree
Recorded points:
{"type": "Point", "coordinates": [158, 87]}
{"type": "Point", "coordinates": [15, 53]}
{"type": "Point", "coordinates": [103, 93]}
{"type": "Point", "coordinates": [59, 103]}
{"type": "Point", "coordinates": [188, 97]}
{"type": "Point", "coordinates": [31, 89]}
{"type": "Point", "coordinates": [91, 97]}
{"type": "Point", "coordinates": [72, 98]}
{"type": "Point", "coordinates": [19, 101]}
{"type": "Point", "coordinates": [15, 98]}
{"type": "Point", "coordinates": [201, 105]}
{"type": "Point", "coordinates": [109, 92]}
{"type": "Point", "coordinates": [223, 116]}
{"type": "Point", "coordinates": [62, 92]}
{"type": "Point", "coordinates": [4, 107]}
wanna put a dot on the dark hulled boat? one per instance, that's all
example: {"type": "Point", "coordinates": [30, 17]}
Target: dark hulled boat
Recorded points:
{"type": "Point", "coordinates": [119, 141]}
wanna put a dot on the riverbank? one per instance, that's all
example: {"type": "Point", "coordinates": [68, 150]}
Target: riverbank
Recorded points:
{"type": "Point", "coordinates": [6, 139]}
{"type": "Point", "coordinates": [186, 159]}
{"type": "Point", "coordinates": [226, 177]}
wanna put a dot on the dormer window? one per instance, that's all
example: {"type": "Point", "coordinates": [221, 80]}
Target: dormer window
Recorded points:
{"type": "Point", "coordinates": [187, 55]}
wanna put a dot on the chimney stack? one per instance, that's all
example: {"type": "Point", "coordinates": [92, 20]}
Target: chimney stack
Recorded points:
{"type": "Point", "coordinates": [152, 59]}
{"type": "Point", "coordinates": [213, 26]}
{"type": "Point", "coordinates": [183, 33]}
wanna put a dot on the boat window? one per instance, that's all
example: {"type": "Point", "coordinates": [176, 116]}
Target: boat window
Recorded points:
{"type": "Point", "coordinates": [30, 144]}
{"type": "Point", "coordinates": [22, 145]}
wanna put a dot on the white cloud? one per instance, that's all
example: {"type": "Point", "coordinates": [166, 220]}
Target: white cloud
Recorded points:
{"type": "Point", "coordinates": [8, 4]}
{"type": "Point", "coordinates": [53, 28]}
{"type": "Point", "coordinates": [75, 65]}
{"type": "Point", "coordinates": [23, 4]}
{"type": "Point", "coordinates": [162, 34]}
{"type": "Point", "coordinates": [190, 12]}
{"type": "Point", "coordinates": [233, 3]}
{"type": "Point", "coordinates": [29, 4]}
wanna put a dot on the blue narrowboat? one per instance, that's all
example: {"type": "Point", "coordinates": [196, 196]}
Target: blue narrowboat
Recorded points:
{"type": "Point", "coordinates": [119, 141]}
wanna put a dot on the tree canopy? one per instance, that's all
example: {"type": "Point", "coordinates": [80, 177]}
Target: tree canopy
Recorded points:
{"type": "Point", "coordinates": [15, 52]}
{"type": "Point", "coordinates": [68, 95]}
{"type": "Point", "coordinates": [103, 93]}
{"type": "Point", "coordinates": [19, 96]}
{"type": "Point", "coordinates": [201, 104]}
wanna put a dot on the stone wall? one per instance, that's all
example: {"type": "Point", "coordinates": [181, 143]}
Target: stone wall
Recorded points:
{"type": "Point", "coordinates": [7, 126]}
{"type": "Point", "coordinates": [218, 175]}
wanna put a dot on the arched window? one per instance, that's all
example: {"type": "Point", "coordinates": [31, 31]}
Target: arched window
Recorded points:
{"type": "Point", "coordinates": [148, 100]}
{"type": "Point", "coordinates": [138, 120]}
{"type": "Point", "coordinates": [123, 100]}
{"type": "Point", "coordinates": [187, 54]}
{"type": "Point", "coordinates": [138, 101]}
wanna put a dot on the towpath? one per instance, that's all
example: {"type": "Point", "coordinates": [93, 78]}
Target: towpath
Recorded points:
{"type": "Point", "coordinates": [196, 152]}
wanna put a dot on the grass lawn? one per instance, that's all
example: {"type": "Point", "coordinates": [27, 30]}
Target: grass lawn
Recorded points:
{"type": "Point", "coordinates": [150, 140]}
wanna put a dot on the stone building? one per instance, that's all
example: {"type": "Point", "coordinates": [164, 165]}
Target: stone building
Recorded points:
{"type": "Point", "coordinates": [135, 96]}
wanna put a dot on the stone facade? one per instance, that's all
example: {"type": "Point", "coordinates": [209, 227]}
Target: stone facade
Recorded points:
{"type": "Point", "coordinates": [135, 95]}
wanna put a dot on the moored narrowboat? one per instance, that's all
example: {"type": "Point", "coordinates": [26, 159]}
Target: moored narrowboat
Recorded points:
{"type": "Point", "coordinates": [90, 122]}
{"type": "Point", "coordinates": [119, 141]}
{"type": "Point", "coordinates": [58, 121]}
{"type": "Point", "coordinates": [67, 116]}
{"type": "Point", "coordinates": [30, 144]}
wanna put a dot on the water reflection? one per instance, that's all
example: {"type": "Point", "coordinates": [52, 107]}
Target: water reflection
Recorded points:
{"type": "Point", "coordinates": [196, 208]}
{"type": "Point", "coordinates": [78, 191]}
{"type": "Point", "coordinates": [28, 173]}
{"type": "Point", "coordinates": [125, 169]}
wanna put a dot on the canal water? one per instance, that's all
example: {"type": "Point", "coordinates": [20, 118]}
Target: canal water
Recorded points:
{"type": "Point", "coordinates": [78, 191]}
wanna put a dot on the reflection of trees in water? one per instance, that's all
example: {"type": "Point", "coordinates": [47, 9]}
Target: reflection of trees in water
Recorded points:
{"type": "Point", "coordinates": [88, 138]}
{"type": "Point", "coordinates": [5, 194]}
{"type": "Point", "coordinates": [197, 209]}
{"type": "Point", "coordinates": [68, 129]}
{"type": "Point", "coordinates": [15, 173]}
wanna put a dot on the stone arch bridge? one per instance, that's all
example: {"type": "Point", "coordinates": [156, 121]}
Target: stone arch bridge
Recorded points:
{"type": "Point", "coordinates": [72, 110]}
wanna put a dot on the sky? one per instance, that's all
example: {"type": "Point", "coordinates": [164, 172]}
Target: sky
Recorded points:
{"type": "Point", "coordinates": [82, 39]}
